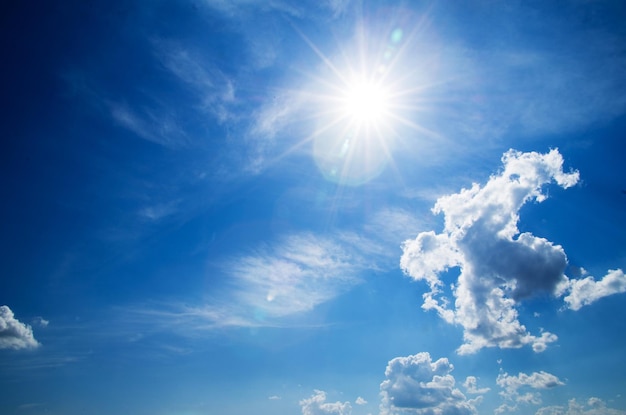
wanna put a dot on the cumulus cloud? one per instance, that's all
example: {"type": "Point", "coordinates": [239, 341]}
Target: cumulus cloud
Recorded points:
{"type": "Point", "coordinates": [13, 333]}
{"type": "Point", "coordinates": [317, 405]}
{"type": "Point", "coordinates": [593, 406]}
{"type": "Point", "coordinates": [360, 401]}
{"type": "Point", "coordinates": [499, 266]}
{"type": "Point", "coordinates": [585, 291]}
{"type": "Point", "coordinates": [523, 388]}
{"type": "Point", "coordinates": [470, 385]}
{"type": "Point", "coordinates": [417, 385]}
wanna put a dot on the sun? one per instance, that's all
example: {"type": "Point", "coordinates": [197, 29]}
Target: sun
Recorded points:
{"type": "Point", "coordinates": [365, 102]}
{"type": "Point", "coordinates": [355, 132]}
{"type": "Point", "coordinates": [362, 102]}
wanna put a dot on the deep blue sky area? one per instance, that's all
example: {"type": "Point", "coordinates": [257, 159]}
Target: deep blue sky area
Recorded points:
{"type": "Point", "coordinates": [327, 207]}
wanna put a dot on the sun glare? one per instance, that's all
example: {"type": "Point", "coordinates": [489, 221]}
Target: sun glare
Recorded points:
{"type": "Point", "coordinates": [365, 102]}
{"type": "Point", "coordinates": [360, 105]}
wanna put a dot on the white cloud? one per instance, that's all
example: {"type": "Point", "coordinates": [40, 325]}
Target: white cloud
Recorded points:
{"type": "Point", "coordinates": [317, 405]}
{"type": "Point", "coordinates": [511, 386]}
{"type": "Point", "coordinates": [13, 333]}
{"type": "Point", "coordinates": [360, 401]}
{"type": "Point", "coordinates": [470, 385]}
{"type": "Point", "coordinates": [585, 291]}
{"type": "Point", "coordinates": [417, 385]}
{"type": "Point", "coordinates": [276, 283]}
{"type": "Point", "coordinates": [274, 398]}
{"type": "Point", "coordinates": [593, 406]}
{"type": "Point", "coordinates": [499, 266]}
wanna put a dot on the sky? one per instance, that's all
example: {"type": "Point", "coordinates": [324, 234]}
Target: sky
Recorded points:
{"type": "Point", "coordinates": [326, 207]}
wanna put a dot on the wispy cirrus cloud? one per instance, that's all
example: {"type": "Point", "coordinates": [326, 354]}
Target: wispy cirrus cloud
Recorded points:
{"type": "Point", "coordinates": [274, 285]}
{"type": "Point", "coordinates": [214, 90]}
{"type": "Point", "coordinates": [499, 266]}
{"type": "Point", "coordinates": [152, 125]}
{"type": "Point", "coordinates": [277, 283]}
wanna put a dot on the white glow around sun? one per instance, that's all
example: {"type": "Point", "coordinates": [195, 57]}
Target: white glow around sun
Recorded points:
{"type": "Point", "coordinates": [362, 100]}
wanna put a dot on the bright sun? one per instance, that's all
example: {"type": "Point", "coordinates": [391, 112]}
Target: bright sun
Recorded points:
{"type": "Point", "coordinates": [359, 106]}
{"type": "Point", "coordinates": [365, 102]}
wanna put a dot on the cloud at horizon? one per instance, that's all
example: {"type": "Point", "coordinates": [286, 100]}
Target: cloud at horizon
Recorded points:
{"type": "Point", "coordinates": [511, 386]}
{"type": "Point", "coordinates": [317, 405]}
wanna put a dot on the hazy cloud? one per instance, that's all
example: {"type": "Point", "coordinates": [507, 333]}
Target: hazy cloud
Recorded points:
{"type": "Point", "coordinates": [159, 211]}
{"type": "Point", "coordinates": [13, 333]}
{"type": "Point", "coordinates": [159, 128]}
{"type": "Point", "coordinates": [593, 406]}
{"type": "Point", "coordinates": [417, 385]}
{"type": "Point", "coordinates": [214, 89]}
{"type": "Point", "coordinates": [317, 405]}
{"type": "Point", "coordinates": [40, 321]}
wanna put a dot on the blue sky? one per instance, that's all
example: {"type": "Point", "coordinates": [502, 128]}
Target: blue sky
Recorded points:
{"type": "Point", "coordinates": [316, 207]}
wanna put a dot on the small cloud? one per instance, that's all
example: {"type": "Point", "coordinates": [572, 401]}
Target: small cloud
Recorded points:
{"type": "Point", "coordinates": [13, 333]}
{"type": "Point", "coordinates": [470, 385]}
{"type": "Point", "coordinates": [585, 291]}
{"type": "Point", "coordinates": [158, 211]}
{"type": "Point", "coordinates": [360, 401]}
{"type": "Point", "coordinates": [537, 380]}
{"type": "Point", "coordinates": [40, 321]}
{"type": "Point", "coordinates": [274, 398]}
{"type": "Point", "coordinates": [417, 385]}
{"type": "Point", "coordinates": [317, 405]}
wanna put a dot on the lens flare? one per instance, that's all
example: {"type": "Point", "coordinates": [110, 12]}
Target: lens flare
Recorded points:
{"type": "Point", "coordinates": [363, 99]}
